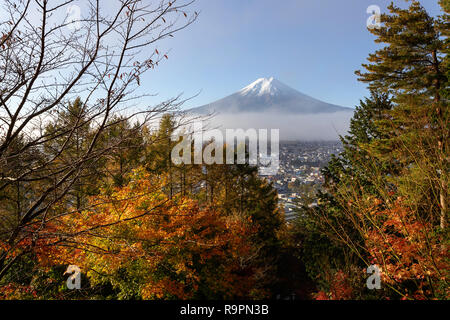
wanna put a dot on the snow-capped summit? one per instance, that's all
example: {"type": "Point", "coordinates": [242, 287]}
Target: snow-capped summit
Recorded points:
{"type": "Point", "coordinates": [262, 86]}
{"type": "Point", "coordinates": [268, 95]}
{"type": "Point", "coordinates": [266, 86]}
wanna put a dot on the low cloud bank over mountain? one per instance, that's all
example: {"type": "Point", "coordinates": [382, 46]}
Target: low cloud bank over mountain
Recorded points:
{"type": "Point", "coordinates": [308, 127]}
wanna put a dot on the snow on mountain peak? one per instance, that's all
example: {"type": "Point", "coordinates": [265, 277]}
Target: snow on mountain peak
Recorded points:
{"type": "Point", "coordinates": [268, 95]}
{"type": "Point", "coordinates": [262, 86]}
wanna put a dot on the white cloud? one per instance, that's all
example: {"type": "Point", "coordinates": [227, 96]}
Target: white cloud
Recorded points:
{"type": "Point", "coordinates": [306, 127]}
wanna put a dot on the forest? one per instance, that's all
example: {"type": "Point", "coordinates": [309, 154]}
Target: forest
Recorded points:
{"type": "Point", "coordinates": [87, 180]}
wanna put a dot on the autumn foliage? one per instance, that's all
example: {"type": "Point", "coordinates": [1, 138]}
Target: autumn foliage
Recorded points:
{"type": "Point", "coordinates": [340, 288]}
{"type": "Point", "coordinates": [412, 255]}
{"type": "Point", "coordinates": [172, 248]}
{"type": "Point", "coordinates": [90, 187]}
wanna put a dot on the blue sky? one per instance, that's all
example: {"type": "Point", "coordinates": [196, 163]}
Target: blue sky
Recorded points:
{"type": "Point", "coordinates": [313, 46]}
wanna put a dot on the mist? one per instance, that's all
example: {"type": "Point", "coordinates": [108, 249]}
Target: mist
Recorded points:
{"type": "Point", "coordinates": [304, 127]}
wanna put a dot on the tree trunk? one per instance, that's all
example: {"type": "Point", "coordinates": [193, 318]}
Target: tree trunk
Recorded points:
{"type": "Point", "coordinates": [442, 158]}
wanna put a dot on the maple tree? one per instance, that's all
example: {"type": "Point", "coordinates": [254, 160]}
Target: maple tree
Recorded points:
{"type": "Point", "coordinates": [169, 248]}
{"type": "Point", "coordinates": [413, 256]}
{"type": "Point", "coordinates": [51, 142]}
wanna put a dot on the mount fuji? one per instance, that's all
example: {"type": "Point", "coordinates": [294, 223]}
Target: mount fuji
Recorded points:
{"type": "Point", "coordinates": [268, 95]}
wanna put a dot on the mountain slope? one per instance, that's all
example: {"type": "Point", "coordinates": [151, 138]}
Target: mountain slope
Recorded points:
{"type": "Point", "coordinates": [268, 95]}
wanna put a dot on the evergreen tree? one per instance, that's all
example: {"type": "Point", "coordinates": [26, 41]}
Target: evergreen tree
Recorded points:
{"type": "Point", "coordinates": [330, 241]}
{"type": "Point", "coordinates": [127, 151]}
{"type": "Point", "coordinates": [412, 68]}
{"type": "Point", "coordinates": [386, 194]}
{"type": "Point", "coordinates": [158, 153]}
{"type": "Point", "coordinates": [73, 136]}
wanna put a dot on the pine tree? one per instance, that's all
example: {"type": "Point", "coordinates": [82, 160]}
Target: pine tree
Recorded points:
{"type": "Point", "coordinates": [73, 135]}
{"type": "Point", "coordinates": [413, 68]}
{"type": "Point", "coordinates": [158, 154]}
{"type": "Point", "coordinates": [331, 241]}
{"type": "Point", "coordinates": [387, 192]}
{"type": "Point", "coordinates": [127, 150]}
